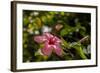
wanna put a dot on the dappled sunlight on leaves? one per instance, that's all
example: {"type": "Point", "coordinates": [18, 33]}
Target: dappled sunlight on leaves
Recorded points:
{"type": "Point", "coordinates": [73, 29]}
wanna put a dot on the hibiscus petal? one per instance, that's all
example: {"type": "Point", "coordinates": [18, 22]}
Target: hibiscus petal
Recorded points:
{"type": "Point", "coordinates": [57, 50]}
{"type": "Point", "coordinates": [48, 35]}
{"type": "Point", "coordinates": [40, 39]}
{"type": "Point", "coordinates": [57, 40]}
{"type": "Point", "coordinates": [47, 50]}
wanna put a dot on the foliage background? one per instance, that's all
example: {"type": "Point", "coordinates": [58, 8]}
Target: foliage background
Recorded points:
{"type": "Point", "coordinates": [75, 33]}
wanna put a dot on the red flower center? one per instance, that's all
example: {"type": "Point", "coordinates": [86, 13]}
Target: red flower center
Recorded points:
{"type": "Point", "coordinates": [51, 42]}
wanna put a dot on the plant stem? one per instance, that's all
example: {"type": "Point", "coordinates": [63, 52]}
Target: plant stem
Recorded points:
{"type": "Point", "coordinates": [83, 39]}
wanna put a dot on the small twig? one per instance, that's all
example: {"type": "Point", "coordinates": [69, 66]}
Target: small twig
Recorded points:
{"type": "Point", "coordinates": [83, 39]}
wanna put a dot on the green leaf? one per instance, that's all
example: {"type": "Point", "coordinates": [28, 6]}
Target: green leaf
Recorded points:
{"type": "Point", "coordinates": [38, 22]}
{"type": "Point", "coordinates": [64, 32]}
{"type": "Point", "coordinates": [25, 21]}
{"type": "Point", "coordinates": [44, 19]}
{"type": "Point", "coordinates": [62, 13]}
{"type": "Point", "coordinates": [65, 43]}
{"type": "Point", "coordinates": [79, 51]}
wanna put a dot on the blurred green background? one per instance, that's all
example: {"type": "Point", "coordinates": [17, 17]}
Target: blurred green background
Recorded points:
{"type": "Point", "coordinates": [73, 28]}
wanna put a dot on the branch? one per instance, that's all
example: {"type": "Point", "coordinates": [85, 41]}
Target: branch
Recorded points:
{"type": "Point", "coordinates": [83, 39]}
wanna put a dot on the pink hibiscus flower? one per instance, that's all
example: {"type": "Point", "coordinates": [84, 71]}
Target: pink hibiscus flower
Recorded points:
{"type": "Point", "coordinates": [51, 44]}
